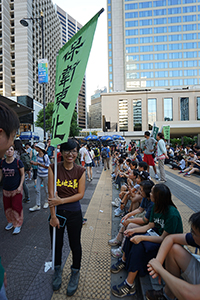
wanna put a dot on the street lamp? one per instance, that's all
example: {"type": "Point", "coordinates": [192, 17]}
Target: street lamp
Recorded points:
{"type": "Point", "coordinates": [24, 23]}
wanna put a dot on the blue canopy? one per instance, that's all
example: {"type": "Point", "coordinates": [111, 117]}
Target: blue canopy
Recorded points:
{"type": "Point", "coordinates": [106, 138]}
{"type": "Point", "coordinates": [117, 137]}
{"type": "Point", "coordinates": [28, 135]}
{"type": "Point", "coordinates": [91, 138]}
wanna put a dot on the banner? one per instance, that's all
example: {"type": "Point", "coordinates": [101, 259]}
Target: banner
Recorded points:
{"type": "Point", "coordinates": [42, 70]}
{"type": "Point", "coordinates": [70, 69]}
{"type": "Point", "coordinates": [155, 130]}
{"type": "Point", "coordinates": [166, 132]}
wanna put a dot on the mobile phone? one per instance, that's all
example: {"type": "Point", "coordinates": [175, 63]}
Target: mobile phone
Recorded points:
{"type": "Point", "coordinates": [61, 219]}
{"type": "Point", "coordinates": [152, 232]}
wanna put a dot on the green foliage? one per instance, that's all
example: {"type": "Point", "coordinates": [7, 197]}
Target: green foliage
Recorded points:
{"type": "Point", "coordinates": [74, 128]}
{"type": "Point", "coordinates": [185, 140]}
{"type": "Point", "coordinates": [175, 141]}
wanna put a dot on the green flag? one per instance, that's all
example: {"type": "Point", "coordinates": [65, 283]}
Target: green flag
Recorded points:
{"type": "Point", "coordinates": [70, 69]}
{"type": "Point", "coordinates": [166, 132]}
{"type": "Point", "coordinates": [155, 130]}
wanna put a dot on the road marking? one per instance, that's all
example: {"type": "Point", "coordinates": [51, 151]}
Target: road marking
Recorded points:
{"type": "Point", "coordinates": [185, 186]}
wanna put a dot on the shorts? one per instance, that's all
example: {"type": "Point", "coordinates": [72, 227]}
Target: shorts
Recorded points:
{"type": "Point", "coordinates": [192, 274]}
{"type": "Point", "coordinates": [89, 165]}
{"type": "Point", "coordinates": [148, 158]}
{"type": "Point", "coordinates": [97, 158]}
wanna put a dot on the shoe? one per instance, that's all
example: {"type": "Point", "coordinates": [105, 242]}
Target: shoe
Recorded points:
{"type": "Point", "coordinates": [114, 242]}
{"type": "Point", "coordinates": [17, 230]}
{"type": "Point", "coordinates": [73, 282]}
{"type": "Point", "coordinates": [186, 175]}
{"type": "Point", "coordinates": [34, 208]}
{"type": "Point", "coordinates": [26, 200]}
{"type": "Point", "coordinates": [9, 226]}
{"type": "Point", "coordinates": [46, 205]}
{"type": "Point", "coordinates": [162, 180]}
{"type": "Point", "coordinates": [42, 185]}
{"type": "Point", "coordinates": [116, 202]}
{"type": "Point", "coordinates": [156, 177]}
{"type": "Point", "coordinates": [91, 178]}
{"type": "Point", "coordinates": [117, 253]}
{"type": "Point", "coordinates": [88, 179]}
{"type": "Point", "coordinates": [116, 268]}
{"type": "Point", "coordinates": [57, 278]}
{"type": "Point", "coordinates": [123, 290]}
{"type": "Point", "coordinates": [117, 186]}
{"type": "Point", "coordinates": [84, 221]}
{"type": "Point", "coordinates": [119, 212]}
{"type": "Point", "coordinates": [155, 295]}
{"type": "Point", "coordinates": [181, 172]}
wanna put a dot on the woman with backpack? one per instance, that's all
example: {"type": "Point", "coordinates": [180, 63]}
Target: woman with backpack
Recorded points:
{"type": "Point", "coordinates": [42, 163]}
{"type": "Point", "coordinates": [88, 158]}
{"type": "Point", "coordinates": [12, 172]}
{"type": "Point", "coordinates": [20, 154]}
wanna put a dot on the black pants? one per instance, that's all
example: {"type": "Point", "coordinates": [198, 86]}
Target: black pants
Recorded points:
{"type": "Point", "coordinates": [74, 226]}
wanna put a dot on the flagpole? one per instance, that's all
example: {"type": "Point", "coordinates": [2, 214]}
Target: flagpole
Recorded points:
{"type": "Point", "coordinates": [54, 228]}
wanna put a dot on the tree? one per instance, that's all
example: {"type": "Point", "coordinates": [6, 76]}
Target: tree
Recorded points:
{"type": "Point", "coordinates": [74, 128]}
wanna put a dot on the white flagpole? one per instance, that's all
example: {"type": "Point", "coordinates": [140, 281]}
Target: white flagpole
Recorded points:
{"type": "Point", "coordinates": [54, 228]}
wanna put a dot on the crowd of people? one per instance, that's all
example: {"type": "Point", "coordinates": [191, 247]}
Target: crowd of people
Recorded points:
{"type": "Point", "coordinates": [150, 236]}
{"type": "Point", "coordinates": [151, 230]}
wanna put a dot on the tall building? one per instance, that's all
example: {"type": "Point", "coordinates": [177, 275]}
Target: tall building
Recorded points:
{"type": "Point", "coordinates": [70, 26]}
{"type": "Point", "coordinates": [153, 44]}
{"type": "Point", "coordinates": [21, 47]}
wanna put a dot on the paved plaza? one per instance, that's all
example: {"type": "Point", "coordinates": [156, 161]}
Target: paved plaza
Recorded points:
{"type": "Point", "coordinates": [24, 255]}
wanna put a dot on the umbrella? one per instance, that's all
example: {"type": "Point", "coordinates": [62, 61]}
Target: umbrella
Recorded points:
{"type": "Point", "coordinates": [91, 138]}
{"type": "Point", "coordinates": [117, 137]}
{"type": "Point", "coordinates": [106, 138]}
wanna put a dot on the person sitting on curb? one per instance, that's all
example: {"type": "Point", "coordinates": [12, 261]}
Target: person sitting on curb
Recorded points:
{"type": "Point", "coordinates": [178, 262]}
{"type": "Point", "coordinates": [195, 167]}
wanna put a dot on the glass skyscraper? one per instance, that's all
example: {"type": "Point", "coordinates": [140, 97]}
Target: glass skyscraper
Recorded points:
{"type": "Point", "coordinates": [153, 44]}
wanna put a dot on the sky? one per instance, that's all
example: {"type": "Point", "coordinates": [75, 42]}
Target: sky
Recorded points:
{"type": "Point", "coordinates": [97, 70]}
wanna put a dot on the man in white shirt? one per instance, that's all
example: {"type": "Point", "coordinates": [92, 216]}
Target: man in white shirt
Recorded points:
{"type": "Point", "coordinates": [82, 151]}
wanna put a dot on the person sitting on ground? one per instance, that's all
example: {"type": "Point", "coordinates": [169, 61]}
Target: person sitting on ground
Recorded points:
{"type": "Point", "coordinates": [178, 262]}
{"type": "Point", "coordinates": [190, 158]}
{"type": "Point", "coordinates": [195, 167]}
{"type": "Point", "coordinates": [137, 217]}
{"type": "Point", "coordinates": [139, 249]}
{"type": "Point", "coordinates": [180, 165]}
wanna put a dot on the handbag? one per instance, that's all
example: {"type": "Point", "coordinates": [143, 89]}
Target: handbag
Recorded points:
{"type": "Point", "coordinates": [162, 156]}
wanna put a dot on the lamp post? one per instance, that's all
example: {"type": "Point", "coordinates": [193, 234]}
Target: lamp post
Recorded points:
{"type": "Point", "coordinates": [24, 23]}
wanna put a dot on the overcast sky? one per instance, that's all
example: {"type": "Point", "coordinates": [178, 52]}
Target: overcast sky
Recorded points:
{"type": "Point", "coordinates": [83, 11]}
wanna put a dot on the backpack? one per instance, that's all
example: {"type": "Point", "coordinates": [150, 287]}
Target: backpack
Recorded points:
{"type": "Point", "coordinates": [104, 153]}
{"type": "Point", "coordinates": [96, 152]}
{"type": "Point", "coordinates": [25, 158]}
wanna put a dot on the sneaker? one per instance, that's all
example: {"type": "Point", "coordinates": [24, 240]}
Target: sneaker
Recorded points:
{"type": "Point", "coordinates": [114, 242]}
{"type": "Point", "coordinates": [84, 221]}
{"type": "Point", "coordinates": [116, 202]}
{"type": "Point", "coordinates": [156, 176]}
{"type": "Point", "coordinates": [155, 295]}
{"type": "Point", "coordinates": [57, 278]}
{"type": "Point", "coordinates": [116, 268]}
{"type": "Point", "coordinates": [26, 200]}
{"type": "Point", "coordinates": [181, 172]}
{"type": "Point", "coordinates": [123, 290]}
{"type": "Point", "coordinates": [17, 230]}
{"type": "Point", "coordinates": [162, 180]}
{"type": "Point", "coordinates": [119, 212]}
{"type": "Point", "coordinates": [73, 282]}
{"type": "Point", "coordinates": [46, 205]}
{"type": "Point", "coordinates": [117, 253]}
{"type": "Point", "coordinates": [9, 226]}
{"type": "Point", "coordinates": [34, 208]}
{"type": "Point", "coordinates": [186, 175]}
{"type": "Point", "coordinates": [88, 179]}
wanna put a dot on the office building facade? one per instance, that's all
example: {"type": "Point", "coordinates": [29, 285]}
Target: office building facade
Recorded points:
{"type": "Point", "coordinates": [21, 47]}
{"type": "Point", "coordinates": [153, 44]}
{"type": "Point", "coordinates": [70, 26]}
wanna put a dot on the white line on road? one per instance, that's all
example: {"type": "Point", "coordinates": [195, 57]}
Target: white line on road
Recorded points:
{"type": "Point", "coordinates": [185, 186]}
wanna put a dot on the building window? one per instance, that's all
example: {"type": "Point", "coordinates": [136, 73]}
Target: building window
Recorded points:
{"type": "Point", "coordinates": [151, 112]}
{"type": "Point", "coordinates": [168, 109]}
{"type": "Point", "coordinates": [123, 115]}
{"type": "Point", "coordinates": [184, 109]}
{"type": "Point", "coordinates": [198, 108]}
{"type": "Point", "coordinates": [137, 115]}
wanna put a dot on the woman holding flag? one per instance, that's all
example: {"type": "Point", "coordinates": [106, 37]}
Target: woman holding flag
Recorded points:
{"type": "Point", "coordinates": [70, 184]}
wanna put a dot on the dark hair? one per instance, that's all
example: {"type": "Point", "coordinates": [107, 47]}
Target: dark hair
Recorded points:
{"type": "Point", "coordinates": [135, 173]}
{"type": "Point", "coordinates": [194, 220]}
{"type": "Point", "coordinates": [143, 164]}
{"type": "Point", "coordinates": [88, 146]}
{"type": "Point", "coordinates": [198, 153]}
{"type": "Point", "coordinates": [162, 198]}
{"type": "Point", "coordinates": [134, 163]}
{"type": "Point", "coordinates": [161, 135]}
{"type": "Point", "coordinates": [120, 161]}
{"type": "Point", "coordinates": [128, 160]}
{"type": "Point", "coordinates": [19, 147]}
{"type": "Point", "coordinates": [147, 133]}
{"type": "Point", "coordinates": [147, 186]}
{"type": "Point", "coordinates": [28, 143]}
{"type": "Point", "coordinates": [69, 145]}
{"type": "Point", "coordinates": [9, 121]}
{"type": "Point", "coordinates": [143, 175]}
